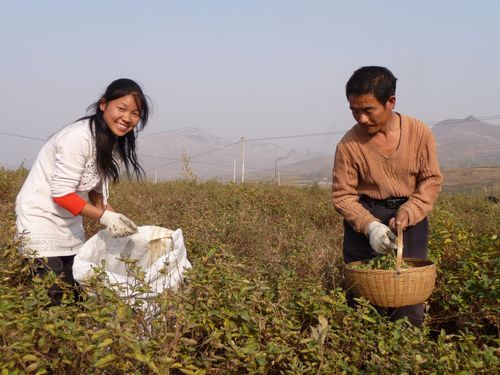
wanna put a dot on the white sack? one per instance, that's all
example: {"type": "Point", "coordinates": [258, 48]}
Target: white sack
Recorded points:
{"type": "Point", "coordinates": [160, 252]}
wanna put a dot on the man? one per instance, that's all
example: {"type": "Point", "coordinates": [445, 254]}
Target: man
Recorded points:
{"type": "Point", "coordinates": [386, 174]}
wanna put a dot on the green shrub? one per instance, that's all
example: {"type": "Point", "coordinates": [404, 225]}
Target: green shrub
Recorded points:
{"type": "Point", "coordinates": [264, 294]}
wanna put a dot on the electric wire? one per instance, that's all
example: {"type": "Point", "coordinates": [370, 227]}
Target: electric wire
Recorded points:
{"type": "Point", "coordinates": [192, 157]}
{"type": "Point", "coordinates": [243, 139]}
{"type": "Point", "coordinates": [23, 136]}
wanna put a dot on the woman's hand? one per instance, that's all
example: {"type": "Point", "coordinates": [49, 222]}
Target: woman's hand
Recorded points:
{"type": "Point", "coordinates": [117, 224]}
{"type": "Point", "coordinates": [97, 200]}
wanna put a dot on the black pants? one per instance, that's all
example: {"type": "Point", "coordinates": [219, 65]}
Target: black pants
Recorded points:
{"type": "Point", "coordinates": [357, 247]}
{"type": "Point", "coordinates": [63, 268]}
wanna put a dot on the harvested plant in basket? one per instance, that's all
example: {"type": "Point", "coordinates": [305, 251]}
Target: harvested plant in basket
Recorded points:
{"type": "Point", "coordinates": [381, 262]}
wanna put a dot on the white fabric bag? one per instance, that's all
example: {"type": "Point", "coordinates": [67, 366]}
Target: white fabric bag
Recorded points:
{"type": "Point", "coordinates": [160, 252]}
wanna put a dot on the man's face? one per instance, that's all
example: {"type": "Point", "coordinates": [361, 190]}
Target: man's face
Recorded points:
{"type": "Point", "coordinates": [370, 113]}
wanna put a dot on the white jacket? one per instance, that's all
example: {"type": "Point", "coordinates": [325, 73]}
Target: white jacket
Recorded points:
{"type": "Point", "coordinates": [65, 164]}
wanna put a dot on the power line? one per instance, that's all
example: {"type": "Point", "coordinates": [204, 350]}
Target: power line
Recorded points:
{"type": "Point", "coordinates": [296, 136]}
{"type": "Point", "coordinates": [481, 118]}
{"type": "Point", "coordinates": [215, 150]}
{"type": "Point", "coordinates": [194, 156]}
{"type": "Point", "coordinates": [23, 136]}
{"type": "Point", "coordinates": [216, 164]}
{"type": "Point", "coordinates": [175, 160]}
{"type": "Point", "coordinates": [158, 157]}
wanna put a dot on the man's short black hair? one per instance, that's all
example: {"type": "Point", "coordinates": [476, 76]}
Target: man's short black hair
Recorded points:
{"type": "Point", "coordinates": [375, 80]}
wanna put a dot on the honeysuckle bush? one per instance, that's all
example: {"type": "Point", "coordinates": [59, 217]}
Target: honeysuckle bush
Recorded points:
{"type": "Point", "coordinates": [264, 294]}
{"type": "Point", "coordinates": [465, 244]}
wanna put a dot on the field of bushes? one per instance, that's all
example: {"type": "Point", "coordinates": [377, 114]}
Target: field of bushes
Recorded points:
{"type": "Point", "coordinates": [264, 295]}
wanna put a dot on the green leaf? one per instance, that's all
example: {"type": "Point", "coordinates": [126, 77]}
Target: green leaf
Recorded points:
{"type": "Point", "coordinates": [98, 334]}
{"type": "Point", "coordinates": [30, 357]}
{"type": "Point", "coordinates": [477, 364]}
{"type": "Point", "coordinates": [106, 342]}
{"type": "Point", "coordinates": [105, 360]}
{"type": "Point", "coordinates": [369, 319]}
{"type": "Point", "coordinates": [32, 367]}
{"type": "Point", "coordinates": [211, 252]}
{"type": "Point", "coordinates": [188, 341]}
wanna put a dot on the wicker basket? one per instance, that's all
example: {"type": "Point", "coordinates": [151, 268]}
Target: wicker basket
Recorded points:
{"type": "Point", "coordinates": [393, 288]}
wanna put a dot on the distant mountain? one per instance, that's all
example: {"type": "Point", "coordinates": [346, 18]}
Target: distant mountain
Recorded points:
{"type": "Point", "coordinates": [460, 142]}
{"type": "Point", "coordinates": [467, 142]}
{"type": "Point", "coordinates": [209, 156]}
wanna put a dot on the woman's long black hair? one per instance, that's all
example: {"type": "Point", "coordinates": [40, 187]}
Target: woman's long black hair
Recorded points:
{"type": "Point", "coordinates": [106, 142]}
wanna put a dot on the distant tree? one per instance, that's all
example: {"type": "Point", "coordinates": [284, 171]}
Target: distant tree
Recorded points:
{"type": "Point", "coordinates": [186, 171]}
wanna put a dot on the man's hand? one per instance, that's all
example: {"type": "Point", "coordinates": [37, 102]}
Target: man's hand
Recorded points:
{"type": "Point", "coordinates": [382, 239]}
{"type": "Point", "coordinates": [400, 220]}
{"type": "Point", "coordinates": [118, 225]}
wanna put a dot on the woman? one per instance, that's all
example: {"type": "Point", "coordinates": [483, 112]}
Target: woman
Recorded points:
{"type": "Point", "coordinates": [69, 180]}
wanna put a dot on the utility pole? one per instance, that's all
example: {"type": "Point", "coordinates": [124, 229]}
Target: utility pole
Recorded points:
{"type": "Point", "coordinates": [156, 175]}
{"type": "Point", "coordinates": [275, 171]}
{"type": "Point", "coordinates": [242, 159]}
{"type": "Point", "coordinates": [234, 170]}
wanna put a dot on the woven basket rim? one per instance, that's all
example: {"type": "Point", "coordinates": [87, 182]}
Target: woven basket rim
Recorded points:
{"type": "Point", "coordinates": [421, 266]}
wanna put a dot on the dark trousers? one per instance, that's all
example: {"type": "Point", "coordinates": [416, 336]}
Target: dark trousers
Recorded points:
{"type": "Point", "coordinates": [357, 247]}
{"type": "Point", "coordinates": [63, 268]}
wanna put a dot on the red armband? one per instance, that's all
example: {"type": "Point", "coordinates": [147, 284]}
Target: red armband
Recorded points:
{"type": "Point", "coordinates": [72, 202]}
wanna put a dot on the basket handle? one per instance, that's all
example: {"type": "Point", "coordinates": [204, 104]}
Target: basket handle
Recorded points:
{"type": "Point", "coordinates": [399, 256]}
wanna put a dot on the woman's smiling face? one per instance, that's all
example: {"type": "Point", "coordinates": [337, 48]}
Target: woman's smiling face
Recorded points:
{"type": "Point", "coordinates": [121, 115]}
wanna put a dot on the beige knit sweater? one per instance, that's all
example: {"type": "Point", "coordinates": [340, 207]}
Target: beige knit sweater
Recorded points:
{"type": "Point", "coordinates": [361, 169]}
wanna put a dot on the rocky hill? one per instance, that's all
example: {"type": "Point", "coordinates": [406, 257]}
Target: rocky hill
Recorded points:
{"type": "Point", "coordinates": [467, 143]}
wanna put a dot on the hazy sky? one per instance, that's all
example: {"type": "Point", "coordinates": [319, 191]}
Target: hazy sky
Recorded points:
{"type": "Point", "coordinates": [241, 68]}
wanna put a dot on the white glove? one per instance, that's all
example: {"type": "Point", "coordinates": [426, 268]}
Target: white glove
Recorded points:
{"type": "Point", "coordinates": [381, 238]}
{"type": "Point", "coordinates": [118, 225]}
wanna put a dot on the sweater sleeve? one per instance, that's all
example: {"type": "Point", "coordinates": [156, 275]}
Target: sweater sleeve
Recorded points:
{"type": "Point", "coordinates": [72, 202]}
{"type": "Point", "coordinates": [344, 192]}
{"type": "Point", "coordinates": [429, 181]}
{"type": "Point", "coordinates": [70, 155]}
